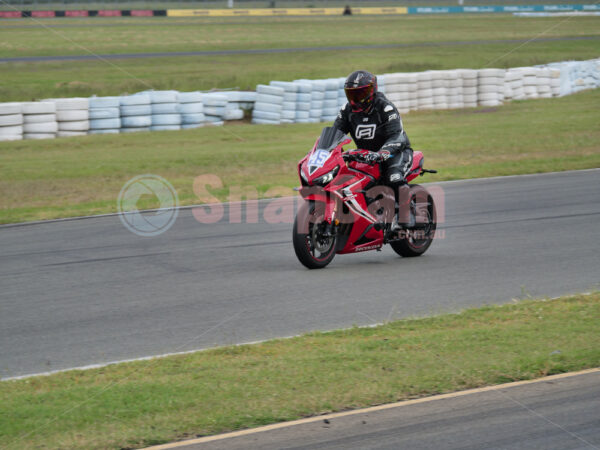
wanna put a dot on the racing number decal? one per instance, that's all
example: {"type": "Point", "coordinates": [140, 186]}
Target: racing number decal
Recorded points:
{"type": "Point", "coordinates": [317, 159]}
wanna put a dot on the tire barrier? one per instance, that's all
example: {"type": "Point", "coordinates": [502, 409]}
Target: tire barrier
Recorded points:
{"type": "Point", "coordinates": [72, 116]}
{"type": "Point", "coordinates": [104, 115]}
{"type": "Point", "coordinates": [39, 120]}
{"type": "Point", "coordinates": [284, 102]}
{"type": "Point", "coordinates": [191, 109]}
{"type": "Point", "coordinates": [434, 89]}
{"type": "Point", "coordinates": [135, 112]}
{"type": "Point", "coordinates": [11, 122]}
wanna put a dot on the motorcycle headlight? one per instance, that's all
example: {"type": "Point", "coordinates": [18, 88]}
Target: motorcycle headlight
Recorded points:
{"type": "Point", "coordinates": [323, 180]}
{"type": "Point", "coordinates": [303, 175]}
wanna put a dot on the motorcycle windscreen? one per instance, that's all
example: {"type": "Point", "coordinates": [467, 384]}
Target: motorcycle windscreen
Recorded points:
{"type": "Point", "coordinates": [330, 138]}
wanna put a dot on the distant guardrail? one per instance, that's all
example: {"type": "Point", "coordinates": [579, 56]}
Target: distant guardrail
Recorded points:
{"type": "Point", "coordinates": [278, 12]}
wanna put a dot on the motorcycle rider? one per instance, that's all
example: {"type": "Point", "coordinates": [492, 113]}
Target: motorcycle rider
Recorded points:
{"type": "Point", "coordinates": [375, 125]}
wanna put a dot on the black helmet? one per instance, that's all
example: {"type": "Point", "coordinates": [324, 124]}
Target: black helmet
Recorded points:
{"type": "Point", "coordinates": [360, 88]}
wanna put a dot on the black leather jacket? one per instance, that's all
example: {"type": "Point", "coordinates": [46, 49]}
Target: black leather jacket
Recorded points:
{"type": "Point", "coordinates": [380, 129]}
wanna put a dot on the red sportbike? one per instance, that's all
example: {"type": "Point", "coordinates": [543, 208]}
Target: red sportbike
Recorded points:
{"type": "Point", "coordinates": [347, 210]}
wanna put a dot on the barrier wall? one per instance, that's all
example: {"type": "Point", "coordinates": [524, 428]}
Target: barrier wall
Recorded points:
{"type": "Point", "coordinates": [306, 101]}
{"type": "Point", "coordinates": [265, 12]}
{"type": "Point", "coordinates": [284, 102]}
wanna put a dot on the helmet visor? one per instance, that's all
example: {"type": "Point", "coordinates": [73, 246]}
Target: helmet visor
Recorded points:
{"type": "Point", "coordinates": [360, 97]}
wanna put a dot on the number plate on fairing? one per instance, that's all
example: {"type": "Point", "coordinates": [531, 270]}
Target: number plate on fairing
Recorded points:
{"type": "Point", "coordinates": [317, 159]}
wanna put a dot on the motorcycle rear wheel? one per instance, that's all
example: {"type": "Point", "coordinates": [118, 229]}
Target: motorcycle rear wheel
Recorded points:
{"type": "Point", "coordinates": [312, 249]}
{"type": "Point", "coordinates": [424, 209]}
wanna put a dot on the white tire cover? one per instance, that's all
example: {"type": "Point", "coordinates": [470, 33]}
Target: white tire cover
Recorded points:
{"type": "Point", "coordinates": [266, 98]}
{"type": "Point", "coordinates": [11, 108]}
{"type": "Point", "coordinates": [232, 96]}
{"type": "Point", "coordinates": [11, 130]}
{"type": "Point", "coordinates": [105, 131]}
{"type": "Point", "coordinates": [486, 88]}
{"type": "Point", "coordinates": [269, 107]}
{"type": "Point", "coordinates": [490, 103]}
{"type": "Point", "coordinates": [104, 102]}
{"type": "Point", "coordinates": [104, 113]}
{"type": "Point", "coordinates": [233, 114]}
{"type": "Point", "coordinates": [75, 125]}
{"type": "Point", "coordinates": [215, 110]}
{"type": "Point", "coordinates": [10, 137]}
{"type": "Point", "coordinates": [134, 130]}
{"type": "Point", "coordinates": [136, 110]}
{"type": "Point", "coordinates": [39, 107]}
{"type": "Point", "coordinates": [190, 126]}
{"type": "Point", "coordinates": [258, 121]}
{"type": "Point", "coordinates": [189, 97]}
{"type": "Point", "coordinates": [287, 114]}
{"type": "Point", "coordinates": [163, 96]}
{"type": "Point", "coordinates": [302, 115]}
{"type": "Point", "coordinates": [247, 96]}
{"type": "Point", "coordinates": [165, 119]}
{"type": "Point", "coordinates": [65, 104]}
{"type": "Point", "coordinates": [187, 119]}
{"type": "Point", "coordinates": [191, 108]}
{"type": "Point", "coordinates": [70, 115]}
{"type": "Point", "coordinates": [270, 90]}
{"type": "Point", "coordinates": [165, 127]}
{"type": "Point", "coordinates": [37, 118]}
{"type": "Point", "coordinates": [266, 115]}
{"type": "Point", "coordinates": [71, 133]}
{"type": "Point", "coordinates": [488, 96]}
{"type": "Point", "coordinates": [41, 127]}
{"type": "Point", "coordinates": [165, 108]}
{"type": "Point", "coordinates": [39, 136]}
{"type": "Point", "coordinates": [136, 121]}
{"type": "Point", "coordinates": [215, 100]}
{"type": "Point", "coordinates": [490, 81]}
{"type": "Point", "coordinates": [136, 99]}
{"type": "Point", "coordinates": [287, 86]}
{"type": "Point", "coordinates": [105, 124]}
{"type": "Point", "coordinates": [492, 73]}
{"type": "Point", "coordinates": [11, 119]}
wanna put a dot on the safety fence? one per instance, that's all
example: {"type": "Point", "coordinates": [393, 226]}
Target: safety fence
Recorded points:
{"type": "Point", "coordinates": [281, 12]}
{"type": "Point", "coordinates": [283, 102]}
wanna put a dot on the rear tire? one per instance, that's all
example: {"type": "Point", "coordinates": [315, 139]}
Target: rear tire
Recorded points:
{"type": "Point", "coordinates": [312, 251]}
{"type": "Point", "coordinates": [424, 209]}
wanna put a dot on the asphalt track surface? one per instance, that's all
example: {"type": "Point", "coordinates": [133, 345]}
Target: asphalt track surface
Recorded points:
{"type": "Point", "coordinates": [92, 56]}
{"type": "Point", "coordinates": [554, 414]}
{"type": "Point", "coordinates": [89, 291]}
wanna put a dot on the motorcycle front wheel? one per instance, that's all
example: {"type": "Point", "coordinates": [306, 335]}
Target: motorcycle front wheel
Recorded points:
{"type": "Point", "coordinates": [313, 248]}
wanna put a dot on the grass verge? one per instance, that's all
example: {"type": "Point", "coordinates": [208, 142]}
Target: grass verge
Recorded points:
{"type": "Point", "coordinates": [423, 40]}
{"type": "Point", "coordinates": [151, 402]}
{"type": "Point", "coordinates": [79, 176]}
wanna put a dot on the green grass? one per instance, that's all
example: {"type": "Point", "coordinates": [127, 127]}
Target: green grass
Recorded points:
{"type": "Point", "coordinates": [78, 176]}
{"type": "Point", "coordinates": [150, 402]}
{"type": "Point", "coordinates": [25, 81]}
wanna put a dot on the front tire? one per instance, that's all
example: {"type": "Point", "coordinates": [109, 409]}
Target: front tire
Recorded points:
{"type": "Point", "coordinates": [418, 240]}
{"type": "Point", "coordinates": [312, 249]}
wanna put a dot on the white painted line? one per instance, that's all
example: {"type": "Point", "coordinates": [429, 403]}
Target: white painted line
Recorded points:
{"type": "Point", "coordinates": [367, 410]}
